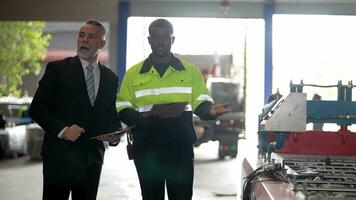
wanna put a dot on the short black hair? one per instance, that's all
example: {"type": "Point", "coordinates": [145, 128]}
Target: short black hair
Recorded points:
{"type": "Point", "coordinates": [162, 23]}
{"type": "Point", "coordinates": [316, 97]}
{"type": "Point", "coordinates": [97, 24]}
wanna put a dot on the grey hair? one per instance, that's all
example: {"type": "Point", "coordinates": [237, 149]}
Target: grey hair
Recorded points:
{"type": "Point", "coordinates": [97, 24]}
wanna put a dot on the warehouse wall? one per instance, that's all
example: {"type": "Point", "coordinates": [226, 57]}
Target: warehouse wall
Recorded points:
{"type": "Point", "coordinates": [107, 10]}
{"type": "Point", "coordinates": [69, 10]}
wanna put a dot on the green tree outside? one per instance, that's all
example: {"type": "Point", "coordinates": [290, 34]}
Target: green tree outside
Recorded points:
{"type": "Point", "coordinates": [22, 51]}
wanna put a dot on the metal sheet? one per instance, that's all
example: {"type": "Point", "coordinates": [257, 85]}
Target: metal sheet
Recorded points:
{"type": "Point", "coordinates": [288, 115]}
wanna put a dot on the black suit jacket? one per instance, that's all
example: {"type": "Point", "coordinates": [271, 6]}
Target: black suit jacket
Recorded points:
{"type": "Point", "coordinates": [62, 100]}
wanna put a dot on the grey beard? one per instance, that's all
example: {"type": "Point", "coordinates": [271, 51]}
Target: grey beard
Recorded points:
{"type": "Point", "coordinates": [87, 55]}
{"type": "Point", "coordinates": [84, 55]}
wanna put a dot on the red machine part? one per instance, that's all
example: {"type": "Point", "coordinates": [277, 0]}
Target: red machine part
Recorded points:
{"type": "Point", "coordinates": [341, 143]}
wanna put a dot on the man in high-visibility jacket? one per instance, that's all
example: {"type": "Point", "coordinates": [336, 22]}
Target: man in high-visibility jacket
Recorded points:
{"type": "Point", "coordinates": [163, 147]}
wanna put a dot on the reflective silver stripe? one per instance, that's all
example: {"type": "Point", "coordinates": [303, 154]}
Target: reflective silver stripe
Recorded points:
{"type": "Point", "coordinates": [123, 103]}
{"type": "Point", "coordinates": [205, 97]}
{"type": "Point", "coordinates": [188, 107]}
{"type": "Point", "coordinates": [165, 90]}
{"type": "Point", "coordinates": [144, 108]}
{"type": "Point", "coordinates": [147, 108]}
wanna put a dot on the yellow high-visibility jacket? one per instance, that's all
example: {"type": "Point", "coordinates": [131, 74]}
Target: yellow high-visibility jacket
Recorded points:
{"type": "Point", "coordinates": [142, 87]}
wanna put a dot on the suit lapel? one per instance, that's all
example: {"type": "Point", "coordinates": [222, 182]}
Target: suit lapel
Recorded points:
{"type": "Point", "coordinates": [80, 85]}
{"type": "Point", "coordinates": [102, 84]}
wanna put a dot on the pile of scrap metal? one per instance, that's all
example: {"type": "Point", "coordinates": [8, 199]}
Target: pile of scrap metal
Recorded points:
{"type": "Point", "coordinates": [316, 164]}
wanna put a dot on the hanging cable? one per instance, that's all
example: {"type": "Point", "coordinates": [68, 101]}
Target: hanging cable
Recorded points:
{"type": "Point", "coordinates": [271, 171]}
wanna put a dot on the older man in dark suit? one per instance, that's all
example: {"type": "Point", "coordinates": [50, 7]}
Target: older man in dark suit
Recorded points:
{"type": "Point", "coordinates": [75, 101]}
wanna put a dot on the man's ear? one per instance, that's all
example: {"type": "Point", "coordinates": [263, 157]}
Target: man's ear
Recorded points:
{"type": "Point", "coordinates": [173, 38]}
{"type": "Point", "coordinates": [103, 42]}
{"type": "Point", "coordinates": [149, 39]}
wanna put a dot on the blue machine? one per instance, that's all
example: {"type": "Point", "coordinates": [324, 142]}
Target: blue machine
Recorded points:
{"type": "Point", "coordinates": [283, 116]}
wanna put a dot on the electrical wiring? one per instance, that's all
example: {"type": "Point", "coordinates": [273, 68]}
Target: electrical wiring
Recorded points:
{"type": "Point", "coordinates": [271, 171]}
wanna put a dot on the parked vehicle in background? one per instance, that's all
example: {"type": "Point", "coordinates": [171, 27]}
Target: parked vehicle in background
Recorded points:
{"type": "Point", "coordinates": [13, 141]}
{"type": "Point", "coordinates": [227, 128]}
{"type": "Point", "coordinates": [15, 110]}
{"type": "Point", "coordinates": [15, 117]}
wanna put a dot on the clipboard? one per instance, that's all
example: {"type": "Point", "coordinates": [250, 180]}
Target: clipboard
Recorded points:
{"type": "Point", "coordinates": [168, 110]}
{"type": "Point", "coordinates": [114, 134]}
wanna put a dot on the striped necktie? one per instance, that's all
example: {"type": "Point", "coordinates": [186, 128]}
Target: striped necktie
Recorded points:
{"type": "Point", "coordinates": [90, 84]}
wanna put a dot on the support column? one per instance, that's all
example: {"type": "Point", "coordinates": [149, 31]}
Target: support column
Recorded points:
{"type": "Point", "coordinates": [122, 39]}
{"type": "Point", "coordinates": [267, 15]}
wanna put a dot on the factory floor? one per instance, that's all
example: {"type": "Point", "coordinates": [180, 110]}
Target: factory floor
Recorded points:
{"type": "Point", "coordinates": [21, 178]}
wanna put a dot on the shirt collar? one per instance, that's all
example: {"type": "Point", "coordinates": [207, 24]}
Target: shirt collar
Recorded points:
{"type": "Point", "coordinates": [174, 62]}
{"type": "Point", "coordinates": [86, 63]}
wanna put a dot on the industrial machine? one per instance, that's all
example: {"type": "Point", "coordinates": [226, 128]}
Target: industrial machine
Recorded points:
{"type": "Point", "coordinates": [305, 164]}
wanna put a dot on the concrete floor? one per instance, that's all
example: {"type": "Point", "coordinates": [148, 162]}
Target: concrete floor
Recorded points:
{"type": "Point", "coordinates": [21, 178]}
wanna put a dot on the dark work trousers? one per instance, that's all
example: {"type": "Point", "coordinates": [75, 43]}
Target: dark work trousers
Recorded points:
{"type": "Point", "coordinates": [58, 184]}
{"type": "Point", "coordinates": [154, 173]}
